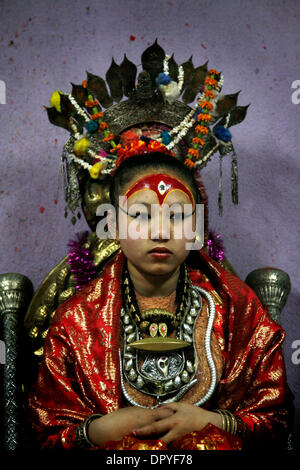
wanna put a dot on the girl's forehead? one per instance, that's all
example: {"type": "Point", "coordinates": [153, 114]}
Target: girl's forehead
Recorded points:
{"type": "Point", "coordinates": [158, 188]}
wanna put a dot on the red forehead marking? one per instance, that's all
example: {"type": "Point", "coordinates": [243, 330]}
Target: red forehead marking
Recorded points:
{"type": "Point", "coordinates": [162, 185]}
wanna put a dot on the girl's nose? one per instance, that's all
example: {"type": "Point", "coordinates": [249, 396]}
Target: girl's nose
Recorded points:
{"type": "Point", "coordinates": [159, 227]}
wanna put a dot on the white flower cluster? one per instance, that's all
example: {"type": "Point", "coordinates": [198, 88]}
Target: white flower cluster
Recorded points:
{"type": "Point", "coordinates": [81, 162]}
{"type": "Point", "coordinates": [78, 108]}
{"type": "Point", "coordinates": [172, 90]}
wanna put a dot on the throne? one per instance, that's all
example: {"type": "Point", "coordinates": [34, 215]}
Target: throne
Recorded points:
{"type": "Point", "coordinates": [27, 315]}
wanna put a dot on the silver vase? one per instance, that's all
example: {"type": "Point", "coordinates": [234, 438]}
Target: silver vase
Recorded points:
{"type": "Point", "coordinates": [272, 286]}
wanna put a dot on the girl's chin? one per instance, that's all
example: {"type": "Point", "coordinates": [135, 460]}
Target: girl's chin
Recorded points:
{"type": "Point", "coordinates": [158, 268]}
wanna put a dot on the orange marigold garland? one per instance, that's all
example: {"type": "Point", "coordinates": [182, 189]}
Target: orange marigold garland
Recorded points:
{"type": "Point", "coordinates": [188, 162]}
{"type": "Point", "coordinates": [97, 115]}
{"type": "Point", "coordinates": [201, 129]}
{"type": "Point", "coordinates": [203, 118]}
{"type": "Point", "coordinates": [201, 113]}
{"type": "Point", "coordinates": [108, 137]}
{"type": "Point", "coordinates": [206, 105]}
{"type": "Point", "coordinates": [198, 140]}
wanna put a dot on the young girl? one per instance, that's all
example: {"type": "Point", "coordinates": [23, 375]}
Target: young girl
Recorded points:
{"type": "Point", "coordinates": [165, 349]}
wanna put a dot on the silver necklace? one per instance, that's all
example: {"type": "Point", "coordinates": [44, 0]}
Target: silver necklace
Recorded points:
{"type": "Point", "coordinates": [168, 374]}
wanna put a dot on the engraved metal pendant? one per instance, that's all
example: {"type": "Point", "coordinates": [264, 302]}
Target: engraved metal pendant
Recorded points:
{"type": "Point", "coordinates": [162, 367]}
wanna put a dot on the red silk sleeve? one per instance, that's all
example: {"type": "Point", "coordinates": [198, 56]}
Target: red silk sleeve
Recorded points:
{"type": "Point", "coordinates": [56, 403]}
{"type": "Point", "coordinates": [254, 386]}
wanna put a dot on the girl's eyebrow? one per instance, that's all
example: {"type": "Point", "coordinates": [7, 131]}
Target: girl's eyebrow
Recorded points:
{"type": "Point", "coordinates": [147, 204]}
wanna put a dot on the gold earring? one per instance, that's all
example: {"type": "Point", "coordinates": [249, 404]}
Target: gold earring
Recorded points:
{"type": "Point", "coordinates": [198, 240]}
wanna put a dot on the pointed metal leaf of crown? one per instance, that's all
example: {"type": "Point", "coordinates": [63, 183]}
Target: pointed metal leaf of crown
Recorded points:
{"type": "Point", "coordinates": [67, 107]}
{"type": "Point", "coordinates": [152, 60]}
{"type": "Point", "coordinates": [237, 115]}
{"type": "Point", "coordinates": [98, 86]}
{"type": "Point", "coordinates": [58, 119]}
{"type": "Point", "coordinates": [128, 71]}
{"type": "Point", "coordinates": [173, 68]}
{"type": "Point", "coordinates": [188, 69]}
{"type": "Point", "coordinates": [80, 94]}
{"type": "Point", "coordinates": [195, 83]}
{"type": "Point", "coordinates": [114, 81]}
{"type": "Point", "coordinates": [227, 103]}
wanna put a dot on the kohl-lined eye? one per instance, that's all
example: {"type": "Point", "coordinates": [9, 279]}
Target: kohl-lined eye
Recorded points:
{"type": "Point", "coordinates": [139, 212]}
{"type": "Point", "coordinates": [140, 215]}
{"type": "Point", "coordinates": [177, 216]}
{"type": "Point", "coordinates": [180, 216]}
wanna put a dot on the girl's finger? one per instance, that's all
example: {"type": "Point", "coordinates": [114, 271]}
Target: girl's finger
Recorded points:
{"type": "Point", "coordinates": [169, 406]}
{"type": "Point", "coordinates": [170, 436]}
{"type": "Point", "coordinates": [163, 412]}
{"type": "Point", "coordinates": [157, 427]}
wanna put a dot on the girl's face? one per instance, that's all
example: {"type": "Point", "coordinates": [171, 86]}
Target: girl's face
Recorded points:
{"type": "Point", "coordinates": [156, 221]}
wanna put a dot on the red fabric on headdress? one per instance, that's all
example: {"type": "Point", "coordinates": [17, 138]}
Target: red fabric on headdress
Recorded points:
{"type": "Point", "coordinates": [138, 147]}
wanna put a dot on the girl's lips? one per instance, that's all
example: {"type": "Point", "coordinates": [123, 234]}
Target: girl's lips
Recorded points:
{"type": "Point", "coordinates": [160, 255]}
{"type": "Point", "coordinates": [161, 250]}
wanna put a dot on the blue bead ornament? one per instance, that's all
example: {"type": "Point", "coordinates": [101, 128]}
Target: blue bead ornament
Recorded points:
{"type": "Point", "coordinates": [92, 126]}
{"type": "Point", "coordinates": [222, 133]}
{"type": "Point", "coordinates": [197, 112]}
{"type": "Point", "coordinates": [162, 79]}
{"type": "Point", "coordinates": [166, 138]}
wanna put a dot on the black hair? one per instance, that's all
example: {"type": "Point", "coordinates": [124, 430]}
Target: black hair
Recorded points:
{"type": "Point", "coordinates": [137, 164]}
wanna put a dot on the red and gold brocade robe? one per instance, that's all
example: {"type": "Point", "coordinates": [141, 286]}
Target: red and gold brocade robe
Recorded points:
{"type": "Point", "coordinates": [80, 372]}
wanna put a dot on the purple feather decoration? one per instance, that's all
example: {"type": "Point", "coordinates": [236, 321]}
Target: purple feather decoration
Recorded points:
{"type": "Point", "coordinates": [215, 246]}
{"type": "Point", "coordinates": [81, 260]}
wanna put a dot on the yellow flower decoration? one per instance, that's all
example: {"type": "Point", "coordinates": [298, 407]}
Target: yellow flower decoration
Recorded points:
{"type": "Point", "coordinates": [81, 145]}
{"type": "Point", "coordinates": [95, 170]}
{"type": "Point", "coordinates": [55, 100]}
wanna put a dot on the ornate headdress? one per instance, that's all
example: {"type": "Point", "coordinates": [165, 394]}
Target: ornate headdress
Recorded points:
{"type": "Point", "coordinates": [151, 119]}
